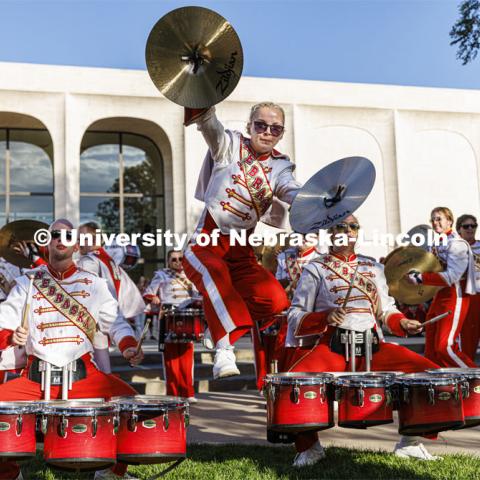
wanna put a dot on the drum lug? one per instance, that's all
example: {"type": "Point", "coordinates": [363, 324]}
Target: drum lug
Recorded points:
{"type": "Point", "coordinates": [186, 418]}
{"type": "Point", "coordinates": [465, 389]}
{"type": "Point", "coordinates": [44, 424]}
{"type": "Point", "coordinates": [62, 427]}
{"type": "Point", "coordinates": [94, 425]}
{"type": "Point", "coordinates": [406, 396]}
{"type": "Point", "coordinates": [361, 396]}
{"type": "Point", "coordinates": [273, 392]}
{"type": "Point", "coordinates": [322, 396]}
{"type": "Point", "coordinates": [431, 395]}
{"type": "Point", "coordinates": [388, 397]}
{"type": "Point", "coordinates": [132, 422]}
{"type": "Point", "coordinates": [295, 394]}
{"type": "Point", "coordinates": [456, 392]}
{"type": "Point", "coordinates": [166, 422]}
{"type": "Point", "coordinates": [338, 394]}
{"type": "Point", "coordinates": [116, 423]}
{"type": "Point", "coordinates": [19, 424]}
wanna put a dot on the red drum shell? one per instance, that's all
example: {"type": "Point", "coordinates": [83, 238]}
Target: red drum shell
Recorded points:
{"type": "Point", "coordinates": [152, 439]}
{"type": "Point", "coordinates": [80, 449]}
{"type": "Point", "coordinates": [418, 416]}
{"type": "Point", "coordinates": [374, 409]}
{"type": "Point", "coordinates": [313, 409]}
{"type": "Point", "coordinates": [17, 432]}
{"type": "Point", "coordinates": [184, 325]}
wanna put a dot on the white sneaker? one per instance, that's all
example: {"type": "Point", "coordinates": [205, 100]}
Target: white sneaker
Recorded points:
{"type": "Point", "coordinates": [309, 457]}
{"type": "Point", "coordinates": [20, 476]}
{"type": "Point", "coordinates": [417, 451]}
{"type": "Point", "coordinates": [207, 340]}
{"type": "Point", "coordinates": [192, 400]}
{"type": "Point", "coordinates": [224, 363]}
{"type": "Point", "coordinates": [107, 474]}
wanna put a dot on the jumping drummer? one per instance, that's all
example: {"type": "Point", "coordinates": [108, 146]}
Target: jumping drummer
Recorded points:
{"type": "Point", "coordinates": [65, 307]}
{"type": "Point", "coordinates": [171, 287]}
{"type": "Point", "coordinates": [95, 259]}
{"type": "Point", "coordinates": [324, 307]}
{"type": "Point", "coordinates": [239, 180]}
{"type": "Point", "coordinates": [457, 285]}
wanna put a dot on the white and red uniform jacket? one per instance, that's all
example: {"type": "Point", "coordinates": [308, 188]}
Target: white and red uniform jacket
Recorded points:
{"type": "Point", "coordinates": [121, 286]}
{"type": "Point", "coordinates": [53, 337]}
{"type": "Point", "coordinates": [229, 168]}
{"type": "Point", "coordinates": [458, 263]}
{"type": "Point", "coordinates": [8, 274]}
{"type": "Point", "coordinates": [324, 285]}
{"type": "Point", "coordinates": [290, 263]}
{"type": "Point", "coordinates": [170, 286]}
{"type": "Point", "coordinates": [475, 247]}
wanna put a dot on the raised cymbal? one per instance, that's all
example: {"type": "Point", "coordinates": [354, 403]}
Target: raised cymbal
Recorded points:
{"type": "Point", "coordinates": [399, 263]}
{"type": "Point", "coordinates": [194, 57]}
{"type": "Point", "coordinates": [332, 194]}
{"type": "Point", "coordinates": [13, 232]}
{"type": "Point", "coordinates": [420, 231]}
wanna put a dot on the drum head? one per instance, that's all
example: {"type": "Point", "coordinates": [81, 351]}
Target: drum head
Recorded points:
{"type": "Point", "coordinates": [298, 378]}
{"type": "Point", "coordinates": [78, 408]}
{"type": "Point", "coordinates": [149, 402]}
{"type": "Point", "coordinates": [7, 408]}
{"type": "Point", "coordinates": [464, 372]}
{"type": "Point", "coordinates": [373, 379]}
{"type": "Point", "coordinates": [428, 379]}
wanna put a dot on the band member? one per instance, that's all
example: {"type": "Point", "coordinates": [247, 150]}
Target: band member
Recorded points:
{"type": "Point", "coordinates": [457, 282]}
{"type": "Point", "coordinates": [171, 287]}
{"type": "Point", "coordinates": [466, 227]}
{"type": "Point", "coordinates": [318, 317]}
{"type": "Point", "coordinates": [67, 306]}
{"type": "Point", "coordinates": [95, 259]}
{"type": "Point", "coordinates": [238, 182]}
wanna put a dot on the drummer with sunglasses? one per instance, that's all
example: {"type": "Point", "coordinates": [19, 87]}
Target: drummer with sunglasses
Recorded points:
{"type": "Point", "coordinates": [323, 315]}
{"type": "Point", "coordinates": [466, 227]}
{"type": "Point", "coordinates": [241, 179]}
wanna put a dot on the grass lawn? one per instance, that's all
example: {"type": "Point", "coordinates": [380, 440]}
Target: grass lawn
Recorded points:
{"type": "Point", "coordinates": [249, 462]}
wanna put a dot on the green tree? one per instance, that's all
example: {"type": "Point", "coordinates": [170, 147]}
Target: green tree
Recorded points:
{"type": "Point", "coordinates": [466, 31]}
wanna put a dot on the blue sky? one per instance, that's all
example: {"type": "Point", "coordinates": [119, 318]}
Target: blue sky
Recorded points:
{"type": "Point", "coordinates": [403, 42]}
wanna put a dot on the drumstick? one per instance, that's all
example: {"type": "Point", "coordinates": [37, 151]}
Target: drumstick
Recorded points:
{"type": "Point", "coordinates": [350, 287]}
{"type": "Point", "coordinates": [148, 321]}
{"type": "Point", "coordinates": [437, 318]}
{"type": "Point", "coordinates": [26, 309]}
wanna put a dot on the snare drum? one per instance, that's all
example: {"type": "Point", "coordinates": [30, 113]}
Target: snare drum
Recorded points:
{"type": "Point", "coordinates": [471, 392]}
{"type": "Point", "coordinates": [79, 435]}
{"type": "Point", "coordinates": [152, 428]}
{"type": "Point", "coordinates": [17, 431]}
{"type": "Point", "coordinates": [299, 401]}
{"type": "Point", "coordinates": [187, 325]}
{"type": "Point", "coordinates": [429, 403]}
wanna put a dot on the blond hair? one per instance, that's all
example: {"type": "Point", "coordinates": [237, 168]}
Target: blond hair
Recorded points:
{"type": "Point", "coordinates": [260, 105]}
{"type": "Point", "coordinates": [445, 210]}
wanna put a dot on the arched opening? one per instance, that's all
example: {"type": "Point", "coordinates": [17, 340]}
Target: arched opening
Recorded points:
{"type": "Point", "coordinates": [26, 169]}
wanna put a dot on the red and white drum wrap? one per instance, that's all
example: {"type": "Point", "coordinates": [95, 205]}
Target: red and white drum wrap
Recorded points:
{"type": "Point", "coordinates": [429, 403]}
{"type": "Point", "coordinates": [364, 400]}
{"type": "Point", "coordinates": [79, 435]}
{"type": "Point", "coordinates": [299, 401]}
{"type": "Point", "coordinates": [471, 392]}
{"type": "Point", "coordinates": [187, 325]}
{"type": "Point", "coordinates": [17, 430]}
{"type": "Point", "coordinates": [152, 429]}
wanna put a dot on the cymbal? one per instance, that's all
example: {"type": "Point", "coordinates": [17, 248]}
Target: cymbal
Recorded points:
{"type": "Point", "coordinates": [194, 57]}
{"type": "Point", "coordinates": [399, 263]}
{"type": "Point", "coordinates": [423, 231]}
{"type": "Point", "coordinates": [13, 232]}
{"type": "Point", "coordinates": [268, 257]}
{"type": "Point", "coordinates": [332, 194]}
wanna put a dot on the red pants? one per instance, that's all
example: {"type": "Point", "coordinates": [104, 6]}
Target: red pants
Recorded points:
{"type": "Point", "coordinates": [320, 358]}
{"type": "Point", "coordinates": [470, 334]}
{"type": "Point", "coordinates": [236, 290]}
{"type": "Point", "coordinates": [442, 342]}
{"type": "Point", "coordinates": [96, 385]}
{"type": "Point", "coordinates": [178, 369]}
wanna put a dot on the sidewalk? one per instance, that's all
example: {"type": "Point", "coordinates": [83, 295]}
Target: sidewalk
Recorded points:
{"type": "Point", "coordinates": [240, 417]}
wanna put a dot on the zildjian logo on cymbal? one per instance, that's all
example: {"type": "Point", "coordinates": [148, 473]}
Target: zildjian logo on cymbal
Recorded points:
{"type": "Point", "coordinates": [227, 74]}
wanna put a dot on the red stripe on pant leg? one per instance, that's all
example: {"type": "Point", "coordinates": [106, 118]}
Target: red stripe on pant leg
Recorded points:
{"type": "Point", "coordinates": [471, 328]}
{"type": "Point", "coordinates": [260, 356]}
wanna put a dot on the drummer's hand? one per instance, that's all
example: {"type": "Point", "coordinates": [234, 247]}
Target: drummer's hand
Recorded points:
{"type": "Point", "coordinates": [20, 336]}
{"type": "Point", "coordinates": [132, 356]}
{"type": "Point", "coordinates": [336, 316]}
{"type": "Point", "coordinates": [411, 326]}
{"type": "Point", "coordinates": [413, 277]}
{"type": "Point", "coordinates": [22, 248]}
{"type": "Point", "coordinates": [155, 300]}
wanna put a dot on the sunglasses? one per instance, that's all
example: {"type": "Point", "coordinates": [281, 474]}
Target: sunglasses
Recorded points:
{"type": "Point", "coordinates": [345, 226]}
{"type": "Point", "coordinates": [261, 127]}
{"type": "Point", "coordinates": [176, 259]}
{"type": "Point", "coordinates": [469, 226]}
{"type": "Point", "coordinates": [56, 234]}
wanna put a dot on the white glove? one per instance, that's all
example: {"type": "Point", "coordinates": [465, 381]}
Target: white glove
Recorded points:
{"type": "Point", "coordinates": [414, 277]}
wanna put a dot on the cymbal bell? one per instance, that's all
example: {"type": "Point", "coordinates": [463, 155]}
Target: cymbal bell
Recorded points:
{"type": "Point", "coordinates": [13, 232]}
{"type": "Point", "coordinates": [194, 57]}
{"type": "Point", "coordinates": [332, 194]}
{"type": "Point", "coordinates": [399, 262]}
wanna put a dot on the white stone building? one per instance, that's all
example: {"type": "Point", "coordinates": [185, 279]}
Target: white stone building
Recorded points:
{"type": "Point", "coordinates": [66, 133]}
